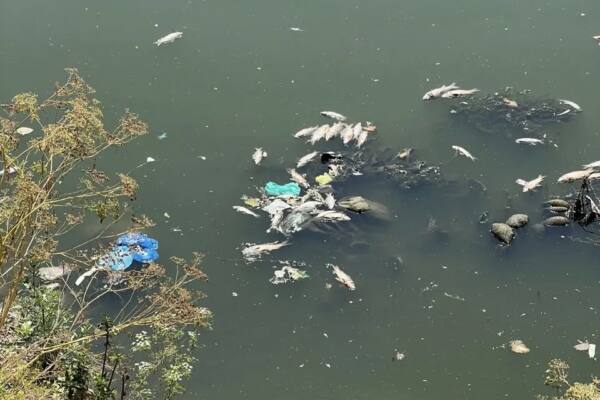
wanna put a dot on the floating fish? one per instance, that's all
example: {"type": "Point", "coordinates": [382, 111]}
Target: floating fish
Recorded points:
{"type": "Point", "coordinates": [244, 210]}
{"type": "Point", "coordinates": [575, 176]}
{"type": "Point", "coordinates": [532, 184]}
{"type": "Point", "coordinates": [510, 103]}
{"type": "Point", "coordinates": [347, 134]}
{"type": "Point", "coordinates": [362, 138]}
{"type": "Point", "coordinates": [298, 178]}
{"type": "Point", "coordinates": [306, 159]}
{"type": "Point", "coordinates": [356, 131]}
{"type": "Point", "coordinates": [463, 152]}
{"type": "Point", "coordinates": [254, 251]}
{"type": "Point", "coordinates": [404, 154]}
{"type": "Point", "coordinates": [517, 346]}
{"type": "Point", "coordinates": [459, 93]}
{"type": "Point", "coordinates": [150, 160]}
{"type": "Point", "coordinates": [397, 356]}
{"type": "Point", "coordinates": [582, 346]}
{"type": "Point", "coordinates": [330, 201]}
{"type": "Point", "coordinates": [332, 216]}
{"type": "Point", "coordinates": [438, 92]}
{"type": "Point", "coordinates": [305, 132]}
{"type": "Point", "coordinates": [24, 130]}
{"type": "Point", "coordinates": [557, 221]}
{"type": "Point", "coordinates": [333, 115]}
{"type": "Point", "coordinates": [563, 113]}
{"type": "Point", "coordinates": [319, 134]}
{"type": "Point", "coordinates": [530, 141]}
{"type": "Point", "coordinates": [595, 164]}
{"type": "Point", "coordinates": [296, 29]}
{"type": "Point", "coordinates": [258, 155]}
{"type": "Point", "coordinates": [342, 277]}
{"type": "Point", "coordinates": [571, 104]}
{"type": "Point", "coordinates": [334, 130]}
{"type": "Point", "coordinates": [170, 38]}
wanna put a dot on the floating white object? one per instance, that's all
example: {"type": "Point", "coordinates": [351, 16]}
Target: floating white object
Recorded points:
{"type": "Point", "coordinates": [24, 130]}
{"type": "Point", "coordinates": [592, 350]}
{"type": "Point", "coordinates": [517, 346]}
{"type": "Point", "coordinates": [463, 152]}
{"type": "Point", "coordinates": [170, 38]}
{"type": "Point", "coordinates": [150, 159]}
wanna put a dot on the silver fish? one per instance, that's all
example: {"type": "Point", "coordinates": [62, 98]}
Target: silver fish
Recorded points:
{"type": "Point", "coordinates": [244, 210]}
{"type": "Point", "coordinates": [459, 93]}
{"type": "Point", "coordinates": [594, 177]}
{"type": "Point", "coordinates": [530, 141]}
{"type": "Point", "coordinates": [306, 159]}
{"type": "Point", "coordinates": [258, 155]}
{"type": "Point", "coordinates": [356, 130]}
{"type": "Point", "coordinates": [334, 130]}
{"type": "Point", "coordinates": [595, 164]}
{"type": "Point", "coordinates": [575, 176]}
{"type": "Point", "coordinates": [308, 206]}
{"type": "Point", "coordinates": [571, 104]}
{"type": "Point", "coordinates": [306, 131]}
{"type": "Point", "coordinates": [438, 92]}
{"type": "Point", "coordinates": [332, 216]}
{"type": "Point", "coordinates": [532, 184]}
{"type": "Point", "coordinates": [330, 201]}
{"type": "Point", "coordinates": [510, 103]}
{"type": "Point", "coordinates": [170, 38]}
{"type": "Point", "coordinates": [298, 178]}
{"type": "Point", "coordinates": [342, 277]}
{"type": "Point", "coordinates": [463, 152]}
{"type": "Point", "coordinates": [254, 251]}
{"type": "Point", "coordinates": [333, 115]}
{"type": "Point", "coordinates": [319, 134]}
{"type": "Point", "coordinates": [347, 134]}
{"type": "Point", "coordinates": [362, 138]}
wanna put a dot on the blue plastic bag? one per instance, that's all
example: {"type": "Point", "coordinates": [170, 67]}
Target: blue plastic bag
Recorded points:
{"type": "Point", "coordinates": [145, 256]}
{"type": "Point", "coordinates": [117, 259]}
{"type": "Point", "coordinates": [141, 247]}
{"type": "Point", "coordinates": [291, 189]}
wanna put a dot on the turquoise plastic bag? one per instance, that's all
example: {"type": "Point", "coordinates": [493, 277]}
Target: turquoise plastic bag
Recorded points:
{"type": "Point", "coordinates": [288, 190]}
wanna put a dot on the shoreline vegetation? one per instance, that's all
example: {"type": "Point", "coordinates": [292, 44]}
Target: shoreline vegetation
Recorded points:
{"type": "Point", "coordinates": [119, 335]}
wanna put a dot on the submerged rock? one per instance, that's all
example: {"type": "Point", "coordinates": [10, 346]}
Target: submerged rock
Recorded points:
{"type": "Point", "coordinates": [517, 221]}
{"type": "Point", "coordinates": [503, 232]}
{"type": "Point", "coordinates": [557, 203]}
{"type": "Point", "coordinates": [557, 221]}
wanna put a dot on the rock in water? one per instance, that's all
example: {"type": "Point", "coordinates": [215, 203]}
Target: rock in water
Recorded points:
{"type": "Point", "coordinates": [503, 232]}
{"type": "Point", "coordinates": [517, 221]}
{"type": "Point", "coordinates": [557, 221]}
{"type": "Point", "coordinates": [558, 203]}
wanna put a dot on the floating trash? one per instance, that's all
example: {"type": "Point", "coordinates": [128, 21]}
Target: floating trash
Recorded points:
{"type": "Point", "coordinates": [288, 274]}
{"type": "Point", "coordinates": [291, 189]}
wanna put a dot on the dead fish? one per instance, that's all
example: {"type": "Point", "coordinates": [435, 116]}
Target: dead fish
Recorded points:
{"type": "Point", "coordinates": [404, 154]}
{"type": "Point", "coordinates": [308, 206]}
{"type": "Point", "coordinates": [347, 134]}
{"type": "Point", "coordinates": [593, 177]}
{"type": "Point", "coordinates": [571, 104]}
{"type": "Point", "coordinates": [438, 92]}
{"type": "Point", "coordinates": [503, 232]}
{"type": "Point", "coordinates": [517, 346]}
{"type": "Point", "coordinates": [24, 130]}
{"type": "Point", "coordinates": [529, 141]}
{"type": "Point", "coordinates": [563, 113]}
{"type": "Point", "coordinates": [254, 251]}
{"type": "Point", "coordinates": [532, 184]}
{"type": "Point", "coordinates": [558, 203]}
{"type": "Point", "coordinates": [305, 132]}
{"type": "Point", "coordinates": [595, 164]}
{"type": "Point", "coordinates": [306, 159]}
{"type": "Point", "coordinates": [369, 127]}
{"type": "Point", "coordinates": [557, 221]}
{"type": "Point", "coordinates": [342, 277]}
{"type": "Point", "coordinates": [463, 152]}
{"type": "Point", "coordinates": [318, 134]}
{"type": "Point", "coordinates": [575, 176]}
{"type": "Point", "coordinates": [330, 201]}
{"type": "Point", "coordinates": [582, 346]}
{"type": "Point", "coordinates": [356, 130]}
{"type": "Point", "coordinates": [298, 178]}
{"type": "Point", "coordinates": [591, 350]}
{"type": "Point", "coordinates": [333, 115]}
{"type": "Point", "coordinates": [517, 221]}
{"type": "Point", "coordinates": [258, 155]}
{"type": "Point", "coordinates": [362, 138]}
{"type": "Point", "coordinates": [244, 210]}
{"type": "Point", "coordinates": [332, 216]}
{"type": "Point", "coordinates": [170, 38]}
{"type": "Point", "coordinates": [398, 356]}
{"type": "Point", "coordinates": [510, 103]}
{"type": "Point", "coordinates": [459, 93]}
{"type": "Point", "coordinates": [334, 130]}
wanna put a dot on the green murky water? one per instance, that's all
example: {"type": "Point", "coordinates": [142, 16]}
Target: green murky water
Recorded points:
{"type": "Point", "coordinates": [240, 78]}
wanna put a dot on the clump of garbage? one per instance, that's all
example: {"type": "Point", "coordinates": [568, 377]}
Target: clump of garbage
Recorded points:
{"type": "Point", "coordinates": [288, 273]}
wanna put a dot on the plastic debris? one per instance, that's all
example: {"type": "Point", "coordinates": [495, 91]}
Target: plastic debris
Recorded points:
{"type": "Point", "coordinates": [324, 179]}
{"type": "Point", "coordinates": [251, 201]}
{"type": "Point", "coordinates": [517, 346]}
{"type": "Point", "coordinates": [288, 274]}
{"type": "Point", "coordinates": [142, 247]}
{"type": "Point", "coordinates": [117, 259]}
{"type": "Point", "coordinates": [291, 189]}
